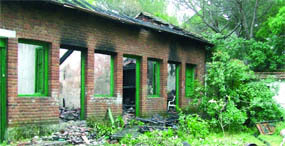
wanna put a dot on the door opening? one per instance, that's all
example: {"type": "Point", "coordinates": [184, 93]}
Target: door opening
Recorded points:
{"type": "Point", "coordinates": [72, 84]}
{"type": "Point", "coordinates": [131, 85]}
{"type": "Point", "coordinates": [173, 85]}
{"type": "Point", "coordinates": [3, 101]}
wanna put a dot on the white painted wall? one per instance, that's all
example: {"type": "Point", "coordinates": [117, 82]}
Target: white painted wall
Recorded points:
{"type": "Point", "coordinates": [280, 97]}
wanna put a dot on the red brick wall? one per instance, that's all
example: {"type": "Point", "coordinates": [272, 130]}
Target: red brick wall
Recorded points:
{"type": "Point", "coordinates": [57, 25]}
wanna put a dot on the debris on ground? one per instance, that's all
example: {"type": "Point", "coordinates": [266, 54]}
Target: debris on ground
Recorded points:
{"type": "Point", "coordinates": [128, 114]}
{"type": "Point", "coordinates": [78, 133]}
{"type": "Point", "coordinates": [71, 132]}
{"type": "Point", "coordinates": [156, 119]}
{"type": "Point", "coordinates": [68, 114]}
{"type": "Point", "coordinates": [266, 127]}
{"type": "Point", "coordinates": [134, 131]}
{"type": "Point", "coordinates": [156, 122]}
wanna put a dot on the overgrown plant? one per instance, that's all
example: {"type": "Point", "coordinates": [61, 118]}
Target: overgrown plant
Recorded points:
{"type": "Point", "coordinates": [27, 131]}
{"type": "Point", "coordinates": [104, 128]}
{"type": "Point", "coordinates": [233, 96]}
{"type": "Point", "coordinates": [167, 137]}
{"type": "Point", "coordinates": [192, 125]}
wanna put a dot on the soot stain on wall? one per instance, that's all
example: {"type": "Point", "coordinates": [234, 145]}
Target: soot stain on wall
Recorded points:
{"type": "Point", "coordinates": [78, 36]}
{"type": "Point", "coordinates": [105, 45]}
{"type": "Point", "coordinates": [173, 51]}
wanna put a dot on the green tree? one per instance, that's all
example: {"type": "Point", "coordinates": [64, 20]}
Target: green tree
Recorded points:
{"type": "Point", "coordinates": [240, 17]}
{"type": "Point", "coordinates": [259, 55]}
{"type": "Point", "coordinates": [133, 7]}
{"type": "Point", "coordinates": [233, 96]}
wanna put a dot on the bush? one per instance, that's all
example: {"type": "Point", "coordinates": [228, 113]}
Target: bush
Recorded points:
{"type": "Point", "coordinates": [233, 96]}
{"type": "Point", "coordinates": [102, 128]}
{"type": "Point", "coordinates": [27, 131]}
{"type": "Point", "coordinates": [192, 125]}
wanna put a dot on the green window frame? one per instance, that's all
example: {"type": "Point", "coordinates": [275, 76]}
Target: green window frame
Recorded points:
{"type": "Point", "coordinates": [41, 68]}
{"type": "Point", "coordinates": [112, 85]}
{"type": "Point", "coordinates": [3, 87]}
{"type": "Point", "coordinates": [155, 79]}
{"type": "Point", "coordinates": [189, 79]}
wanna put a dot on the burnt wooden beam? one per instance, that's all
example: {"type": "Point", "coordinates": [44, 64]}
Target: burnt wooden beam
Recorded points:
{"type": "Point", "coordinates": [65, 56]}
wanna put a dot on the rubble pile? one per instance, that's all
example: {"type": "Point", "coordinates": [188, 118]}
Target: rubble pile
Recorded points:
{"type": "Point", "coordinates": [67, 114]}
{"type": "Point", "coordinates": [75, 133]}
{"type": "Point", "coordinates": [156, 122]}
{"type": "Point", "coordinates": [128, 114]}
{"type": "Point", "coordinates": [78, 133]}
{"type": "Point", "coordinates": [156, 119]}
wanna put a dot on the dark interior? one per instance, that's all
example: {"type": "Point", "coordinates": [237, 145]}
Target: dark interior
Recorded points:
{"type": "Point", "coordinates": [129, 85]}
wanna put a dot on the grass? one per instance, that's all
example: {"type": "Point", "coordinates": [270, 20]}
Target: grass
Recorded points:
{"type": "Point", "coordinates": [242, 138]}
{"type": "Point", "coordinates": [234, 139]}
{"type": "Point", "coordinates": [273, 140]}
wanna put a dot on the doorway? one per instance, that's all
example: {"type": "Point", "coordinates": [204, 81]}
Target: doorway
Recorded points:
{"type": "Point", "coordinates": [3, 101]}
{"type": "Point", "coordinates": [173, 76]}
{"type": "Point", "coordinates": [72, 83]}
{"type": "Point", "coordinates": [131, 85]}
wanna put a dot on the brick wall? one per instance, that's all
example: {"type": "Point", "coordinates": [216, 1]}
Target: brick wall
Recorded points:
{"type": "Point", "coordinates": [64, 26]}
{"type": "Point", "coordinates": [276, 75]}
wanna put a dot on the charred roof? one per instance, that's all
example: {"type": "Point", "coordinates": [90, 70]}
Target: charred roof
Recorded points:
{"type": "Point", "coordinates": [143, 19]}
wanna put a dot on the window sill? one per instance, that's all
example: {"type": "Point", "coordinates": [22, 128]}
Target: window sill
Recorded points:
{"type": "Point", "coordinates": [103, 96]}
{"type": "Point", "coordinates": [33, 96]}
{"type": "Point", "coordinates": [153, 96]}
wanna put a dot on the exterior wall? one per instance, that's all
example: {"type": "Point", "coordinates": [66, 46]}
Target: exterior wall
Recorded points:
{"type": "Point", "coordinates": [64, 26]}
{"type": "Point", "coordinates": [280, 83]}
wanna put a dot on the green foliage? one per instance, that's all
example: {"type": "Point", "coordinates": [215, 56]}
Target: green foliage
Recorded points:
{"type": "Point", "coordinates": [274, 25]}
{"type": "Point", "coordinates": [134, 122]}
{"type": "Point", "coordinates": [277, 23]}
{"type": "Point", "coordinates": [260, 56]}
{"type": "Point", "coordinates": [27, 131]}
{"type": "Point", "coordinates": [133, 7]}
{"type": "Point", "coordinates": [233, 97]}
{"type": "Point", "coordinates": [167, 137]}
{"type": "Point", "coordinates": [119, 122]}
{"type": "Point", "coordinates": [279, 126]}
{"type": "Point", "coordinates": [103, 128]}
{"type": "Point", "coordinates": [192, 125]}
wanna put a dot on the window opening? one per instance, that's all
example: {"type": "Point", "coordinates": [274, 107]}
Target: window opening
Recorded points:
{"type": "Point", "coordinates": [153, 78]}
{"type": "Point", "coordinates": [32, 68]}
{"type": "Point", "coordinates": [103, 75]}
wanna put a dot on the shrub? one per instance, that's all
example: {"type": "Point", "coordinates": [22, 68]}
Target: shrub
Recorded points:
{"type": "Point", "coordinates": [102, 128]}
{"type": "Point", "coordinates": [27, 131]}
{"type": "Point", "coordinates": [192, 125]}
{"type": "Point", "coordinates": [233, 96]}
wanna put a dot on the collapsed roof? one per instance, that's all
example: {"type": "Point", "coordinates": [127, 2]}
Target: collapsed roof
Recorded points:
{"type": "Point", "coordinates": [152, 23]}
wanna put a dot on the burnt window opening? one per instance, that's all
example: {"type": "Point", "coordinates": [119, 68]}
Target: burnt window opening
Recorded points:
{"type": "Point", "coordinates": [173, 83]}
{"type": "Point", "coordinates": [129, 85]}
{"type": "Point", "coordinates": [153, 78]}
{"type": "Point", "coordinates": [103, 75]}
{"type": "Point", "coordinates": [70, 79]}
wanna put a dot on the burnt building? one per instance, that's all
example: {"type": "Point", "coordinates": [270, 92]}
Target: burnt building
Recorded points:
{"type": "Point", "coordinates": [61, 52]}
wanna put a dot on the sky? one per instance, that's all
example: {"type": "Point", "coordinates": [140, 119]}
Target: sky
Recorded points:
{"type": "Point", "coordinates": [180, 13]}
